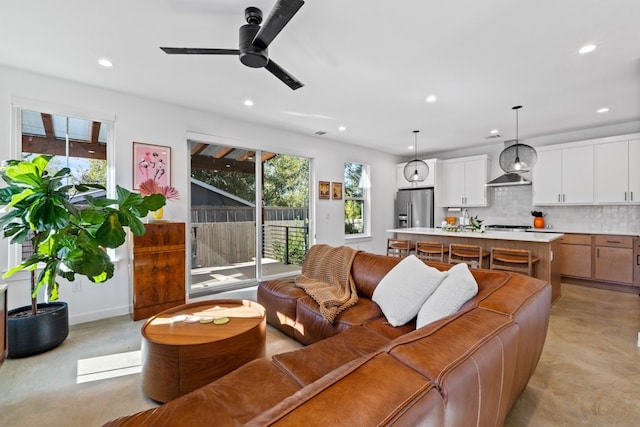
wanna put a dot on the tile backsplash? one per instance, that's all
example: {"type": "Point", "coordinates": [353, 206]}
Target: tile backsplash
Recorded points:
{"type": "Point", "coordinates": [513, 205]}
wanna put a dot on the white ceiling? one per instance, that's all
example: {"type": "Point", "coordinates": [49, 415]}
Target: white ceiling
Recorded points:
{"type": "Point", "coordinates": [368, 65]}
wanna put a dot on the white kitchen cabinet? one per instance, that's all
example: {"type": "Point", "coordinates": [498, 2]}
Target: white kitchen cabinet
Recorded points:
{"type": "Point", "coordinates": [617, 173]}
{"type": "Point", "coordinates": [547, 177]}
{"type": "Point", "coordinates": [634, 170]}
{"type": "Point", "coordinates": [464, 181]}
{"type": "Point", "coordinates": [402, 182]}
{"type": "Point", "coordinates": [564, 176]}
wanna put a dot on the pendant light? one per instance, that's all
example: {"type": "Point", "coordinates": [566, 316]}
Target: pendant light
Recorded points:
{"type": "Point", "coordinates": [518, 158]}
{"type": "Point", "coordinates": [416, 170]}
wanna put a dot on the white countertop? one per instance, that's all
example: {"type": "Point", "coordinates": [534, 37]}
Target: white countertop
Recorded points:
{"type": "Point", "coordinates": [537, 237]}
{"type": "Point", "coordinates": [587, 231]}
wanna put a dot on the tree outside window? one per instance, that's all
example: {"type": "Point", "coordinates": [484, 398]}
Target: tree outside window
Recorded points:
{"type": "Point", "coordinates": [355, 199]}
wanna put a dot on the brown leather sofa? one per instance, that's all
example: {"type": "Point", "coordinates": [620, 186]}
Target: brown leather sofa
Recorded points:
{"type": "Point", "coordinates": [465, 369]}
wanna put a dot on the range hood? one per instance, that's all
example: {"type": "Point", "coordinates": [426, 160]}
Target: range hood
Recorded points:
{"type": "Point", "coordinates": [508, 179]}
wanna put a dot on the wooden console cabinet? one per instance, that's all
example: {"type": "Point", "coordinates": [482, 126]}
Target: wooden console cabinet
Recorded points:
{"type": "Point", "coordinates": [158, 269]}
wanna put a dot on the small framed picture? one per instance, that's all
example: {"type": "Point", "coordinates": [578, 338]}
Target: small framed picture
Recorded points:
{"type": "Point", "coordinates": [336, 190]}
{"type": "Point", "coordinates": [151, 162]}
{"type": "Point", "coordinates": [324, 192]}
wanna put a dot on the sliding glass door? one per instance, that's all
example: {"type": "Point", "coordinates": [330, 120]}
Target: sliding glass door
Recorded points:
{"type": "Point", "coordinates": [249, 215]}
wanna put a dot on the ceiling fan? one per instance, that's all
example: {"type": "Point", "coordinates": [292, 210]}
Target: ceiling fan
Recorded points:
{"type": "Point", "coordinates": [255, 40]}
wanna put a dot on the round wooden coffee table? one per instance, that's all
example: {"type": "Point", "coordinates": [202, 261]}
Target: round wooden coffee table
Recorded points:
{"type": "Point", "coordinates": [181, 354]}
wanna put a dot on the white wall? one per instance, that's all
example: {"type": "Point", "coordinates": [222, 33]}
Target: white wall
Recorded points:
{"type": "Point", "coordinates": [153, 122]}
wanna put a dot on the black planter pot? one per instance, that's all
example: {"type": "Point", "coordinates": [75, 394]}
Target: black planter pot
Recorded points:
{"type": "Point", "coordinates": [37, 334]}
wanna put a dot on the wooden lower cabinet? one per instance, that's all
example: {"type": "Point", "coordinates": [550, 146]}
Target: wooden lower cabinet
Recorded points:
{"type": "Point", "coordinates": [576, 255]}
{"type": "Point", "coordinates": [607, 259]}
{"type": "Point", "coordinates": [158, 269]}
{"type": "Point", "coordinates": [614, 259]}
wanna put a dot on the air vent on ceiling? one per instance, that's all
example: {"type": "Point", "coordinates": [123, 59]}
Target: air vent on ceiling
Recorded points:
{"type": "Point", "coordinates": [320, 132]}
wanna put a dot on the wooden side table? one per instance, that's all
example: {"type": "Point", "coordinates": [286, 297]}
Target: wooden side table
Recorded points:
{"type": "Point", "coordinates": [179, 357]}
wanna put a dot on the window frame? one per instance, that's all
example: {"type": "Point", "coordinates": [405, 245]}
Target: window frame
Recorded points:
{"type": "Point", "coordinates": [365, 198]}
{"type": "Point", "coordinates": [15, 152]}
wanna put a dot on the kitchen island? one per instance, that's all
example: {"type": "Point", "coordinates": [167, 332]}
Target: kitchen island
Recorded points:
{"type": "Point", "coordinates": [546, 246]}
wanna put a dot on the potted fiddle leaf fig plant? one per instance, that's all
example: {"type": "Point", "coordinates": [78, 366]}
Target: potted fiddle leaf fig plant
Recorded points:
{"type": "Point", "coordinates": [67, 240]}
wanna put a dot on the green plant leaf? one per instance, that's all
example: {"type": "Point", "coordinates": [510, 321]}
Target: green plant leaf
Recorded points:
{"type": "Point", "coordinates": [136, 226]}
{"type": "Point", "coordinates": [111, 234]}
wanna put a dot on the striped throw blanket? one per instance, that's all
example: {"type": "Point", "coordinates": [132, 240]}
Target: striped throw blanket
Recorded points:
{"type": "Point", "coordinates": [326, 277]}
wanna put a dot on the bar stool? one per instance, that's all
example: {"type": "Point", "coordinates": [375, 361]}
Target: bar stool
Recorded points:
{"type": "Point", "coordinates": [398, 247]}
{"type": "Point", "coordinates": [518, 260]}
{"type": "Point", "coordinates": [431, 251]}
{"type": "Point", "coordinates": [472, 255]}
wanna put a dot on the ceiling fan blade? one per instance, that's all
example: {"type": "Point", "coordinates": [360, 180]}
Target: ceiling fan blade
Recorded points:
{"type": "Point", "coordinates": [280, 15]}
{"type": "Point", "coordinates": [198, 51]}
{"type": "Point", "coordinates": [280, 73]}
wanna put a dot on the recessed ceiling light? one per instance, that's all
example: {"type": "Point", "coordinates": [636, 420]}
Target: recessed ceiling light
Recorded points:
{"type": "Point", "coordinates": [431, 99]}
{"type": "Point", "coordinates": [105, 62]}
{"type": "Point", "coordinates": [587, 48]}
{"type": "Point", "coordinates": [603, 110]}
{"type": "Point", "coordinates": [493, 131]}
{"type": "Point", "coordinates": [248, 103]}
{"type": "Point", "coordinates": [342, 128]}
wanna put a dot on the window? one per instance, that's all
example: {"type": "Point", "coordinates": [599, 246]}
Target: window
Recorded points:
{"type": "Point", "coordinates": [356, 199]}
{"type": "Point", "coordinates": [77, 143]}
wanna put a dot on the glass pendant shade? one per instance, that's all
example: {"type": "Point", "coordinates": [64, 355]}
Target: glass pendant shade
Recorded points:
{"type": "Point", "coordinates": [518, 158]}
{"type": "Point", "coordinates": [416, 170]}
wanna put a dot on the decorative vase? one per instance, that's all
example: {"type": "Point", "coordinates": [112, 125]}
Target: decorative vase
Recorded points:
{"type": "Point", "coordinates": [157, 214]}
{"type": "Point", "coordinates": [538, 222]}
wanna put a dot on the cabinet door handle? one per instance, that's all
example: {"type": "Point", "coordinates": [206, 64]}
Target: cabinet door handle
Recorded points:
{"type": "Point", "coordinates": [598, 253]}
{"type": "Point", "coordinates": [631, 198]}
{"type": "Point", "coordinates": [558, 197]}
{"type": "Point", "coordinates": [625, 196]}
{"type": "Point", "coordinates": [166, 267]}
{"type": "Point", "coordinates": [563, 197]}
{"type": "Point", "coordinates": [154, 269]}
{"type": "Point", "coordinates": [613, 241]}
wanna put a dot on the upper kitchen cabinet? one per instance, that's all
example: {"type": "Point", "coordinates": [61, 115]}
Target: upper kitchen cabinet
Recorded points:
{"type": "Point", "coordinates": [402, 182]}
{"type": "Point", "coordinates": [564, 176]}
{"type": "Point", "coordinates": [617, 172]}
{"type": "Point", "coordinates": [464, 181]}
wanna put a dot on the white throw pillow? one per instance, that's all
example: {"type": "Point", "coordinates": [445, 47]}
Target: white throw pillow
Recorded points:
{"type": "Point", "coordinates": [457, 288]}
{"type": "Point", "coordinates": [404, 289]}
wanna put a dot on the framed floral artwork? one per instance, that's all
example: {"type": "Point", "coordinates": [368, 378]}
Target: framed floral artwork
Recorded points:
{"type": "Point", "coordinates": [324, 191]}
{"type": "Point", "coordinates": [151, 162]}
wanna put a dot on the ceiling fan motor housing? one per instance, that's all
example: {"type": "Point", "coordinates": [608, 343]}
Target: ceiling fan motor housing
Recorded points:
{"type": "Point", "coordinates": [251, 55]}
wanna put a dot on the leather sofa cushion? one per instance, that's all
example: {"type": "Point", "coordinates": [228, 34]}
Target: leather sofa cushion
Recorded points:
{"type": "Point", "coordinates": [384, 389]}
{"type": "Point", "coordinates": [308, 364]}
{"type": "Point", "coordinates": [229, 401]}
{"type": "Point", "coordinates": [382, 327]}
{"type": "Point", "coordinates": [279, 297]}
{"type": "Point", "coordinates": [312, 327]}
{"type": "Point", "coordinates": [478, 365]}
{"type": "Point", "coordinates": [368, 269]}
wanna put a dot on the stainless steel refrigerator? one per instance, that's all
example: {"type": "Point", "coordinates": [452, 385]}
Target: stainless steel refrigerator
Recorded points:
{"type": "Point", "coordinates": [414, 208]}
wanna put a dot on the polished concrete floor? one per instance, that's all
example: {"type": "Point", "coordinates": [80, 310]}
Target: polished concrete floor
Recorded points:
{"type": "Point", "coordinates": [589, 373]}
